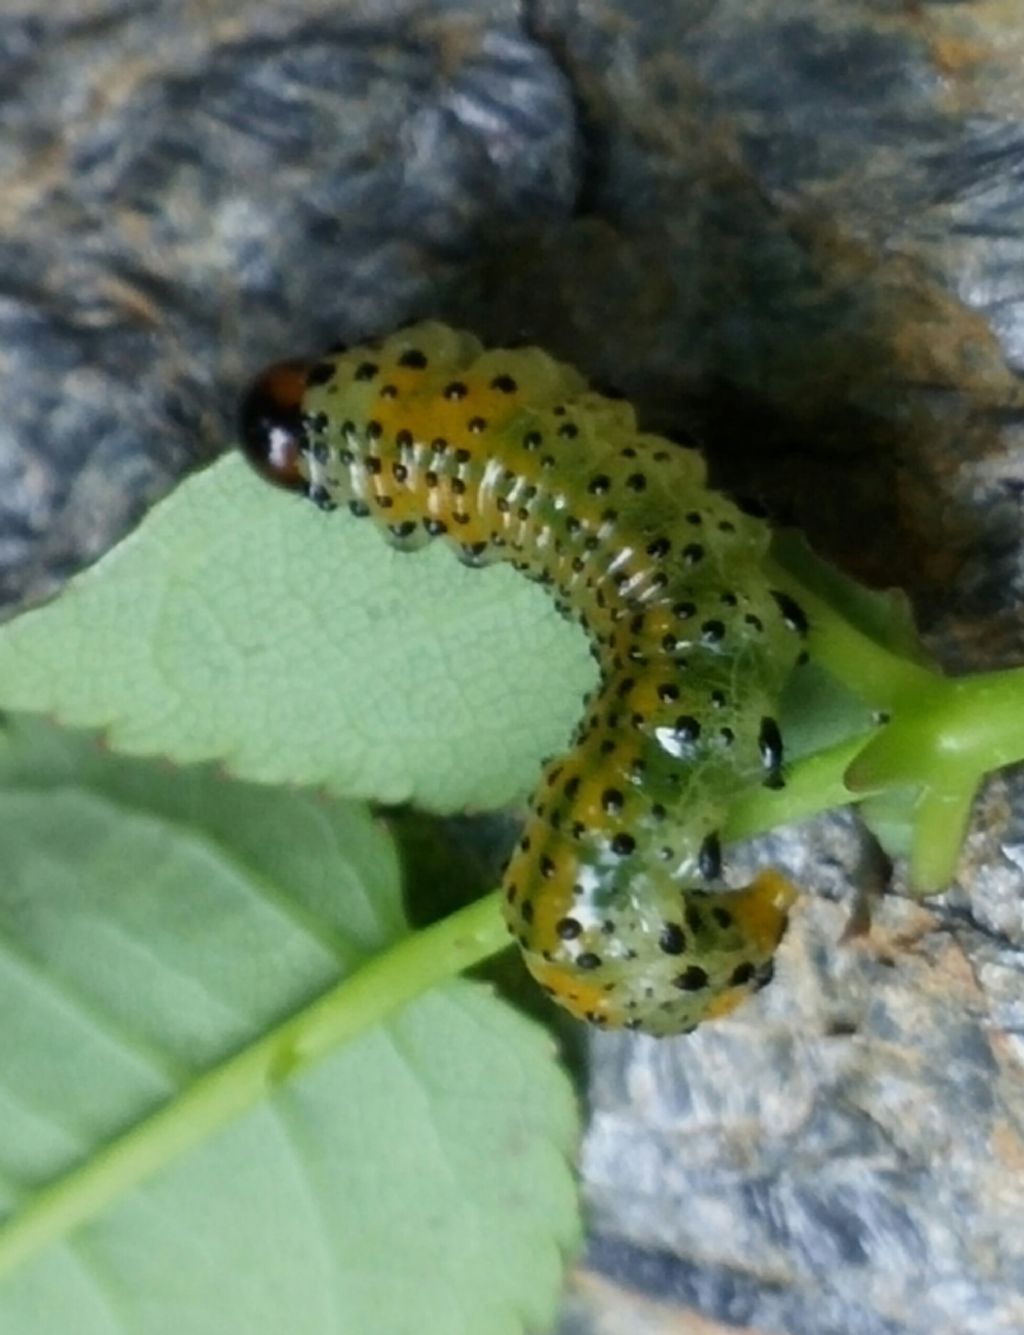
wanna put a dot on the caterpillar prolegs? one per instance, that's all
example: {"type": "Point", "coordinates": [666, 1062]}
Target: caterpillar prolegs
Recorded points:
{"type": "Point", "coordinates": [510, 456]}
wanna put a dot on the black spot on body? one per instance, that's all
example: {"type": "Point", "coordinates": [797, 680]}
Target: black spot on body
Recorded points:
{"type": "Point", "coordinates": [692, 979]}
{"type": "Point", "coordinates": [709, 859]}
{"type": "Point", "coordinates": [769, 739]}
{"type": "Point", "coordinates": [319, 374]}
{"type": "Point", "coordinates": [672, 939]}
{"type": "Point", "coordinates": [792, 613]}
{"type": "Point", "coordinates": [686, 728]}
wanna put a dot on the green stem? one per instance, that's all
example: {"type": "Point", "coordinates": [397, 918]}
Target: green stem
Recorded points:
{"type": "Point", "coordinates": [986, 717]}
{"type": "Point", "coordinates": [814, 784]}
{"type": "Point", "coordinates": [389, 980]}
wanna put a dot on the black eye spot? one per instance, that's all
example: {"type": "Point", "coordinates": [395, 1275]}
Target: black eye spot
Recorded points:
{"type": "Point", "coordinates": [403, 439]}
{"type": "Point", "coordinates": [568, 431]}
{"type": "Point", "coordinates": [692, 979]}
{"type": "Point", "coordinates": [684, 611]}
{"type": "Point", "coordinates": [623, 844]}
{"type": "Point", "coordinates": [374, 430]}
{"type": "Point", "coordinates": [668, 691]}
{"type": "Point", "coordinates": [504, 384]}
{"type": "Point", "coordinates": [413, 358]}
{"type": "Point", "coordinates": [476, 425]}
{"type": "Point", "coordinates": [693, 553]}
{"type": "Point", "coordinates": [712, 632]}
{"type": "Point", "coordinates": [695, 517]}
{"type": "Point", "coordinates": [729, 599]}
{"type": "Point", "coordinates": [359, 508]}
{"type": "Point", "coordinates": [672, 939]}
{"type": "Point", "coordinates": [527, 911]}
{"type": "Point", "coordinates": [462, 456]}
{"type": "Point", "coordinates": [531, 441]}
{"type": "Point", "coordinates": [365, 371]}
{"type": "Point", "coordinates": [659, 547]}
{"type": "Point", "coordinates": [404, 529]}
{"type": "Point", "coordinates": [754, 622]}
{"type": "Point", "coordinates": [636, 482]}
{"type": "Point", "coordinates": [319, 374]}
{"type": "Point", "coordinates": [599, 485]}
{"type": "Point", "coordinates": [547, 867]}
{"type": "Point", "coordinates": [722, 916]}
{"type": "Point", "coordinates": [456, 390]}
{"type": "Point", "coordinates": [435, 527]}
{"type": "Point", "coordinates": [572, 787]}
{"type": "Point", "coordinates": [588, 960]}
{"type": "Point", "coordinates": [400, 472]}
{"type": "Point", "coordinates": [568, 929]}
{"type": "Point", "coordinates": [718, 699]}
{"type": "Point", "coordinates": [743, 973]}
{"type": "Point", "coordinates": [726, 526]}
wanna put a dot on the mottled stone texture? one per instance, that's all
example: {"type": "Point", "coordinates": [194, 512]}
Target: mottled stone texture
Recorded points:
{"type": "Point", "coordinates": [795, 225]}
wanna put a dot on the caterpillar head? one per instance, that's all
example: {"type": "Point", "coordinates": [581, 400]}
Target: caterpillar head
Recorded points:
{"type": "Point", "coordinates": [270, 421]}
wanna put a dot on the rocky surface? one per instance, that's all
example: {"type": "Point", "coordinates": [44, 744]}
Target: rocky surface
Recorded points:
{"type": "Point", "coordinates": [792, 225]}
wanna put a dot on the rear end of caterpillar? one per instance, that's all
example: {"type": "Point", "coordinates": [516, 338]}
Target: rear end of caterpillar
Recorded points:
{"type": "Point", "coordinates": [614, 891]}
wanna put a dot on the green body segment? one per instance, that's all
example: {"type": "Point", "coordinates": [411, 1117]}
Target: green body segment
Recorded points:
{"type": "Point", "coordinates": [507, 455]}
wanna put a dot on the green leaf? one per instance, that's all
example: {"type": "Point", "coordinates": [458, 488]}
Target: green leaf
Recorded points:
{"type": "Point", "coordinates": [241, 625]}
{"type": "Point", "coordinates": [884, 615]}
{"type": "Point", "coordinates": [817, 712]}
{"type": "Point", "coordinates": [152, 924]}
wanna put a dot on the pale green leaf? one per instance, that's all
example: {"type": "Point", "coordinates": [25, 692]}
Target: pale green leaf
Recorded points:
{"type": "Point", "coordinates": [239, 624]}
{"type": "Point", "coordinates": [415, 1182]}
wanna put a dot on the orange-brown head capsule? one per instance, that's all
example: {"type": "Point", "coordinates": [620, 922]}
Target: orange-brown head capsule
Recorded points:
{"type": "Point", "coordinates": [270, 421]}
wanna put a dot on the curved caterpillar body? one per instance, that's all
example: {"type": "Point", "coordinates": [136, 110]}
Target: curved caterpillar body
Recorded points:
{"type": "Point", "coordinates": [509, 456]}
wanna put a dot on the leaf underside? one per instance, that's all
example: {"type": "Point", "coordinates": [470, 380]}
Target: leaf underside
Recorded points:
{"type": "Point", "coordinates": [241, 625]}
{"type": "Point", "coordinates": [151, 923]}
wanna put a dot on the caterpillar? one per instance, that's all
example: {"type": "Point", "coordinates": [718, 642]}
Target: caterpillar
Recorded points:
{"type": "Point", "coordinates": [614, 892]}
